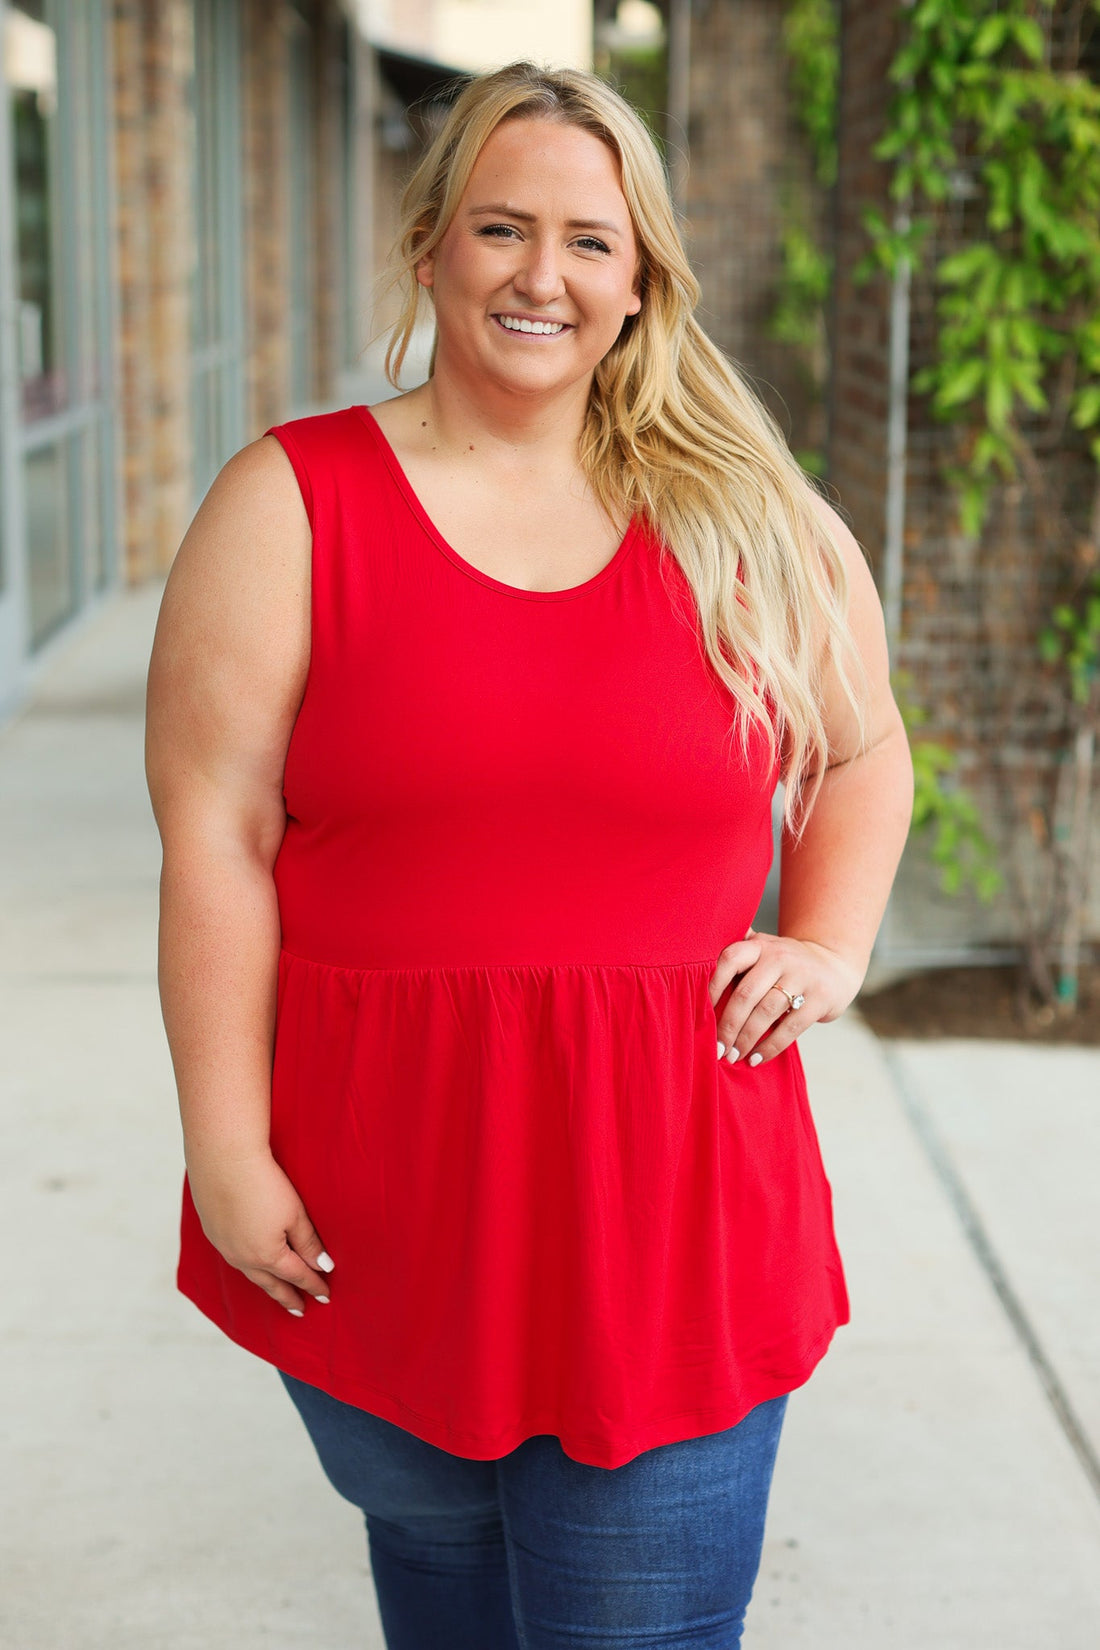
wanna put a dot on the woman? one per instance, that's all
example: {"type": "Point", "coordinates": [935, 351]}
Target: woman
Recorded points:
{"type": "Point", "coordinates": [465, 716]}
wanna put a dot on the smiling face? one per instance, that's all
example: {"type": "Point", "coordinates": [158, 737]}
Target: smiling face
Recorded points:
{"type": "Point", "coordinates": [537, 271]}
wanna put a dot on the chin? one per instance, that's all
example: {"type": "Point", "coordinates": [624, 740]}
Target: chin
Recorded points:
{"type": "Point", "coordinates": [545, 376]}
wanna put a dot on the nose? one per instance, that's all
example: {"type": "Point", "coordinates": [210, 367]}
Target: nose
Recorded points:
{"type": "Point", "coordinates": [539, 276]}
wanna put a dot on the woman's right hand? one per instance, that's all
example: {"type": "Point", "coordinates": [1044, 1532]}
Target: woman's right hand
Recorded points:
{"type": "Point", "coordinates": [257, 1222]}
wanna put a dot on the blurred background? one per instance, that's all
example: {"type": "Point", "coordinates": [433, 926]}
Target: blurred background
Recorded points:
{"type": "Point", "coordinates": [894, 214]}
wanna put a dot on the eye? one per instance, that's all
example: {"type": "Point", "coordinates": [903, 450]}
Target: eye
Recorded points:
{"type": "Point", "coordinates": [502, 230]}
{"type": "Point", "coordinates": [591, 244]}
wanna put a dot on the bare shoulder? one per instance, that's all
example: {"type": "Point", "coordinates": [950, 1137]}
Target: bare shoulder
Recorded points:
{"type": "Point", "coordinates": [239, 584]}
{"type": "Point", "coordinates": [855, 561]}
{"type": "Point", "coordinates": [253, 520]}
{"type": "Point", "coordinates": [867, 629]}
{"type": "Point", "coordinates": [865, 617]}
{"type": "Point", "coordinates": [231, 650]}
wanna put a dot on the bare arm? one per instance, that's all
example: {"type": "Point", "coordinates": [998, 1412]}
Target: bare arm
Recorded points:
{"type": "Point", "coordinates": [226, 677]}
{"type": "Point", "coordinates": [835, 879]}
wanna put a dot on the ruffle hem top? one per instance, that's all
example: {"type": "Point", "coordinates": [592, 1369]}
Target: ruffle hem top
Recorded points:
{"type": "Point", "coordinates": [518, 835]}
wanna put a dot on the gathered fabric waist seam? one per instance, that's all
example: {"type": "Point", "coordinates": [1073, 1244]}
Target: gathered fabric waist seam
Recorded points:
{"type": "Point", "coordinates": [481, 968]}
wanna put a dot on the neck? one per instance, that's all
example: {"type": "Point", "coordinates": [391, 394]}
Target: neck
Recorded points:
{"type": "Point", "coordinates": [504, 423]}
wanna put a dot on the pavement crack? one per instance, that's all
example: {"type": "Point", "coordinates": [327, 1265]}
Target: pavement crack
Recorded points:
{"type": "Point", "coordinates": [987, 1257]}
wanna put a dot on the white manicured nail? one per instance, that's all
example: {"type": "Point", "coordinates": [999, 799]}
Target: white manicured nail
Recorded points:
{"type": "Point", "coordinates": [721, 1050]}
{"type": "Point", "coordinates": [734, 1054]}
{"type": "Point", "coordinates": [325, 1262]}
{"type": "Point", "coordinates": [322, 1300]}
{"type": "Point", "coordinates": [294, 1312]}
{"type": "Point", "coordinates": [755, 1059]}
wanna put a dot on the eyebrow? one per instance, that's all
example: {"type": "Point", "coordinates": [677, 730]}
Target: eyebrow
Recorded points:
{"type": "Point", "coordinates": [529, 217]}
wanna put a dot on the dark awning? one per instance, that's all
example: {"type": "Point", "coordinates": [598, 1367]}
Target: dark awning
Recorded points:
{"type": "Point", "coordinates": [418, 79]}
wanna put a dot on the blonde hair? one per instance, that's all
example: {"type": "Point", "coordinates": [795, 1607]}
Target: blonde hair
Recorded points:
{"type": "Point", "coordinates": [674, 433]}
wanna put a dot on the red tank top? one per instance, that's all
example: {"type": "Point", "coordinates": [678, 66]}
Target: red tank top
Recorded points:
{"type": "Point", "coordinates": [518, 835]}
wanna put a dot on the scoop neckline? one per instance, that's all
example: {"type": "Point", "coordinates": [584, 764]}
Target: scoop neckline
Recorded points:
{"type": "Point", "coordinates": [393, 464]}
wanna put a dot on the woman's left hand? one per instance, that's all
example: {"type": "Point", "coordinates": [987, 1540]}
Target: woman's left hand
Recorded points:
{"type": "Point", "coordinates": [758, 1021]}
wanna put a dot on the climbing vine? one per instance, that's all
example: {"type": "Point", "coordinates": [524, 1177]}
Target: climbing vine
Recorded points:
{"type": "Point", "coordinates": [981, 111]}
{"type": "Point", "coordinates": [811, 40]}
{"type": "Point", "coordinates": [942, 807]}
{"type": "Point", "coordinates": [811, 43]}
{"type": "Point", "coordinates": [960, 844]}
{"type": "Point", "coordinates": [993, 135]}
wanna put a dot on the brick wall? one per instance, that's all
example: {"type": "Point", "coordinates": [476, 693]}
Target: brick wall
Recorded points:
{"type": "Point", "coordinates": [329, 94]}
{"type": "Point", "coordinates": [153, 259]}
{"type": "Point", "coordinates": [401, 137]}
{"type": "Point", "coordinates": [859, 379]}
{"type": "Point", "coordinates": [744, 147]}
{"type": "Point", "coordinates": [364, 72]}
{"type": "Point", "coordinates": [155, 248]}
{"type": "Point", "coordinates": [265, 63]}
{"type": "Point", "coordinates": [970, 610]}
{"type": "Point", "coordinates": [169, 46]}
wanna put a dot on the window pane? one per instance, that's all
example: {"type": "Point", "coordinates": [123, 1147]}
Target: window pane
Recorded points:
{"type": "Point", "coordinates": [30, 64]}
{"type": "Point", "coordinates": [49, 543]}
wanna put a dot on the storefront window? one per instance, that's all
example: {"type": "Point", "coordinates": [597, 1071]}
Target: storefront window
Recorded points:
{"type": "Point", "coordinates": [54, 66]}
{"type": "Point", "coordinates": [30, 61]}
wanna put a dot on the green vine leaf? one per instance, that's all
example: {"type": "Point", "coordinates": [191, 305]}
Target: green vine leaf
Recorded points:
{"type": "Point", "coordinates": [960, 845]}
{"type": "Point", "coordinates": [991, 35]}
{"type": "Point", "coordinates": [977, 97]}
{"type": "Point", "coordinates": [958, 384]}
{"type": "Point", "coordinates": [812, 43]}
{"type": "Point", "coordinates": [1086, 406]}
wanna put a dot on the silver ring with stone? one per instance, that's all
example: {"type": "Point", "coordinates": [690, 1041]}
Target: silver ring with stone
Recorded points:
{"type": "Point", "coordinates": [795, 999]}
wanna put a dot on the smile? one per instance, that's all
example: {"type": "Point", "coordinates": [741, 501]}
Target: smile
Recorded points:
{"type": "Point", "coordinates": [536, 329]}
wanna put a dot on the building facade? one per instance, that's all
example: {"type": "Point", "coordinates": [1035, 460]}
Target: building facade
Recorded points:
{"type": "Point", "coordinates": [196, 198]}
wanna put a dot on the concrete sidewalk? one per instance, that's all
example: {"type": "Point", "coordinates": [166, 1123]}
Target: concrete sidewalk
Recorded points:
{"type": "Point", "coordinates": [933, 1486]}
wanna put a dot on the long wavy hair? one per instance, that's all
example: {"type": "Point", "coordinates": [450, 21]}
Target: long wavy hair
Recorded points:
{"type": "Point", "coordinates": [675, 434]}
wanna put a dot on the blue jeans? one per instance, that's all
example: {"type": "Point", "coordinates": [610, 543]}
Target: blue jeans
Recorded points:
{"type": "Point", "coordinates": [536, 1551]}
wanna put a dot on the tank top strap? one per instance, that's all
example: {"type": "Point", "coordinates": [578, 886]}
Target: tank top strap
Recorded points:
{"type": "Point", "coordinates": [329, 457]}
{"type": "Point", "coordinates": [353, 509]}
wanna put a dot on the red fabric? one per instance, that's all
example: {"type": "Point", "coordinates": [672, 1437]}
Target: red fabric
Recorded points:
{"type": "Point", "coordinates": [518, 837]}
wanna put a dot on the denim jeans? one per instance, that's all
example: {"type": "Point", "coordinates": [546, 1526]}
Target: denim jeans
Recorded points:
{"type": "Point", "coordinates": [536, 1551]}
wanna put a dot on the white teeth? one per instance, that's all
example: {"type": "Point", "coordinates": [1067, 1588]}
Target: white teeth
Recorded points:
{"type": "Point", "coordinates": [515, 325]}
